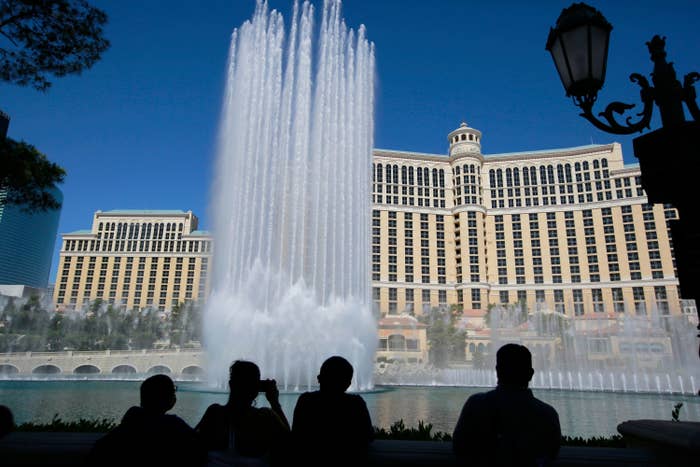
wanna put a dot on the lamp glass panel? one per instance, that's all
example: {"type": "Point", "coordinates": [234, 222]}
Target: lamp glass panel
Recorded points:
{"type": "Point", "coordinates": [575, 43]}
{"type": "Point", "coordinates": [599, 47]}
{"type": "Point", "coordinates": [560, 63]}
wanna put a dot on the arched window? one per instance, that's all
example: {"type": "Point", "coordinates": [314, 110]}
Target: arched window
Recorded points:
{"type": "Point", "coordinates": [426, 176]}
{"type": "Point", "coordinates": [420, 176]}
{"type": "Point", "coordinates": [471, 168]}
{"type": "Point", "coordinates": [604, 163]}
{"type": "Point", "coordinates": [410, 175]}
{"type": "Point", "coordinates": [388, 173]}
{"type": "Point", "coordinates": [99, 229]}
{"type": "Point", "coordinates": [533, 176]}
{"type": "Point", "coordinates": [509, 177]}
{"type": "Point", "coordinates": [464, 137]}
{"type": "Point", "coordinates": [499, 178]}
{"type": "Point", "coordinates": [596, 164]}
{"type": "Point", "coordinates": [526, 177]}
{"type": "Point", "coordinates": [577, 167]}
{"type": "Point", "coordinates": [442, 178]}
{"type": "Point", "coordinates": [516, 176]}
{"type": "Point", "coordinates": [379, 173]}
{"type": "Point", "coordinates": [404, 174]}
{"type": "Point", "coordinates": [457, 170]}
{"type": "Point", "coordinates": [435, 177]}
{"type": "Point", "coordinates": [550, 172]}
{"type": "Point", "coordinates": [585, 165]}
{"type": "Point", "coordinates": [374, 172]}
{"type": "Point", "coordinates": [471, 137]}
{"type": "Point", "coordinates": [543, 175]}
{"type": "Point", "coordinates": [567, 169]}
{"type": "Point", "coordinates": [560, 173]}
{"type": "Point", "coordinates": [492, 178]}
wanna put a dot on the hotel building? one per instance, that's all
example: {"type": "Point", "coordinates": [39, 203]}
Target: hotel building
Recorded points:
{"type": "Point", "coordinates": [135, 259]}
{"type": "Point", "coordinates": [567, 229]}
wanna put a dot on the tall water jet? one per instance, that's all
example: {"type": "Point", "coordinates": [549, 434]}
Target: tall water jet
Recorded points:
{"type": "Point", "coordinates": [291, 200]}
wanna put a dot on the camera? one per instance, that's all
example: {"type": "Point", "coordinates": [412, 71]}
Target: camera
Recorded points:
{"type": "Point", "coordinates": [266, 385]}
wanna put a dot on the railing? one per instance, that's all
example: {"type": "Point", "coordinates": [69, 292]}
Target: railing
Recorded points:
{"type": "Point", "coordinates": [81, 353]}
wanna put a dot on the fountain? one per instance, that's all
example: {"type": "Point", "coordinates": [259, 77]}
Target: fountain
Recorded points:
{"type": "Point", "coordinates": [607, 352]}
{"type": "Point", "coordinates": [291, 200]}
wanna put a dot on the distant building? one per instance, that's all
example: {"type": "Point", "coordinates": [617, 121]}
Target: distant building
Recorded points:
{"type": "Point", "coordinates": [135, 259]}
{"type": "Point", "coordinates": [569, 230]}
{"type": "Point", "coordinates": [26, 240]}
{"type": "Point", "coordinates": [402, 338]}
{"type": "Point", "coordinates": [26, 244]}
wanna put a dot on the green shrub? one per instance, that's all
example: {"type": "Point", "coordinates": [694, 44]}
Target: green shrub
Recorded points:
{"type": "Point", "coordinates": [82, 425]}
{"type": "Point", "coordinates": [398, 430]}
{"type": "Point", "coordinates": [424, 432]}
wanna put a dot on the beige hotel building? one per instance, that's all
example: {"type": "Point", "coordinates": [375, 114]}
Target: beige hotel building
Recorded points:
{"type": "Point", "coordinates": [134, 259]}
{"type": "Point", "coordinates": [567, 229]}
{"type": "Point", "coordinates": [564, 229]}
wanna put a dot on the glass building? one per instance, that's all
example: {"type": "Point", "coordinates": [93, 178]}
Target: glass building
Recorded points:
{"type": "Point", "coordinates": [27, 243]}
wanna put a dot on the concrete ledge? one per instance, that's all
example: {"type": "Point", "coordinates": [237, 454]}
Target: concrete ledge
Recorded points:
{"type": "Point", "coordinates": [71, 449]}
{"type": "Point", "coordinates": [678, 442]}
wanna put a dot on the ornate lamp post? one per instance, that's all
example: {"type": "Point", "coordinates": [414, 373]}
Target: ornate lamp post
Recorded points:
{"type": "Point", "coordinates": [667, 156]}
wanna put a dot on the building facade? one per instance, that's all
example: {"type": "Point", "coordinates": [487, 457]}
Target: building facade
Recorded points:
{"type": "Point", "coordinates": [568, 230]}
{"type": "Point", "coordinates": [27, 243]}
{"type": "Point", "coordinates": [135, 259]}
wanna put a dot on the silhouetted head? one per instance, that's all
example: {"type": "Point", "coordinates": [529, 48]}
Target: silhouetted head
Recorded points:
{"type": "Point", "coordinates": [514, 365]}
{"type": "Point", "coordinates": [335, 375]}
{"type": "Point", "coordinates": [7, 421]}
{"type": "Point", "coordinates": [158, 394]}
{"type": "Point", "coordinates": [243, 382]}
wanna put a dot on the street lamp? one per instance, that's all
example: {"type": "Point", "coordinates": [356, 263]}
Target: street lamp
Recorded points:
{"type": "Point", "coordinates": [667, 156]}
{"type": "Point", "coordinates": [579, 46]}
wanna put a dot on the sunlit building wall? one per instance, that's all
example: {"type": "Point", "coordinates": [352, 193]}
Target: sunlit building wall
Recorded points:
{"type": "Point", "coordinates": [135, 259]}
{"type": "Point", "coordinates": [565, 229]}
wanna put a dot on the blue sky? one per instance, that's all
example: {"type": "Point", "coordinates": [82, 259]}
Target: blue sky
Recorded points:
{"type": "Point", "coordinates": [138, 130]}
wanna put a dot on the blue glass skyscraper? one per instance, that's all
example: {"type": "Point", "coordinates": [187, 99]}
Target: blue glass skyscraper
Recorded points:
{"type": "Point", "coordinates": [27, 242]}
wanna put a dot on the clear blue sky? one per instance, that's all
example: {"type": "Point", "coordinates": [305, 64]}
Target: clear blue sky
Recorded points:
{"type": "Point", "coordinates": [138, 130]}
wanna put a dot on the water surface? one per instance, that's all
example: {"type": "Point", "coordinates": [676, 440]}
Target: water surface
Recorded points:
{"type": "Point", "coordinates": [581, 413]}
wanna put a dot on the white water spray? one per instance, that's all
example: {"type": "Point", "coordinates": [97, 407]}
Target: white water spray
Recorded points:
{"type": "Point", "coordinates": [291, 201]}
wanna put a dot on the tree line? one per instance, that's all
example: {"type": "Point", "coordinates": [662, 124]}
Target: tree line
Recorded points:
{"type": "Point", "coordinates": [29, 326]}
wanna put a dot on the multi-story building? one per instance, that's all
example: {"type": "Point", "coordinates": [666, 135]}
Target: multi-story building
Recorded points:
{"type": "Point", "coordinates": [135, 259]}
{"type": "Point", "coordinates": [567, 229]}
{"type": "Point", "coordinates": [27, 241]}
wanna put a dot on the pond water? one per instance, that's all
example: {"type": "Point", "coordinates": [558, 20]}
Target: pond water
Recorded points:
{"type": "Point", "coordinates": [582, 413]}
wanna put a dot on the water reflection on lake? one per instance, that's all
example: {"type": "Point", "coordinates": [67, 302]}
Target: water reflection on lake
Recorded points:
{"type": "Point", "coordinates": [581, 413]}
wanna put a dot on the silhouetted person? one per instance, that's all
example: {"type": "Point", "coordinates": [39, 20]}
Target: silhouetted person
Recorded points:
{"type": "Point", "coordinates": [330, 426]}
{"type": "Point", "coordinates": [7, 421]}
{"type": "Point", "coordinates": [241, 430]}
{"type": "Point", "coordinates": [147, 436]}
{"type": "Point", "coordinates": [508, 426]}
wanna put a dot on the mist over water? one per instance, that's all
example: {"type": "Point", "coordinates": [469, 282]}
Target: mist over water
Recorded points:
{"type": "Point", "coordinates": [291, 200]}
{"type": "Point", "coordinates": [630, 351]}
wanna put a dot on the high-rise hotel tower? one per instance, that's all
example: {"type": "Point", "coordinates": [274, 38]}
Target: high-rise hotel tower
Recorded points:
{"type": "Point", "coordinates": [135, 259]}
{"type": "Point", "coordinates": [565, 229]}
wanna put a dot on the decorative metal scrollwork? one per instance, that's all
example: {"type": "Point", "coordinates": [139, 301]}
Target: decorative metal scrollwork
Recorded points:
{"type": "Point", "coordinates": [619, 108]}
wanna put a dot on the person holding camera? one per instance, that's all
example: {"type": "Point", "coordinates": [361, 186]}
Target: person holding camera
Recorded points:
{"type": "Point", "coordinates": [241, 432]}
